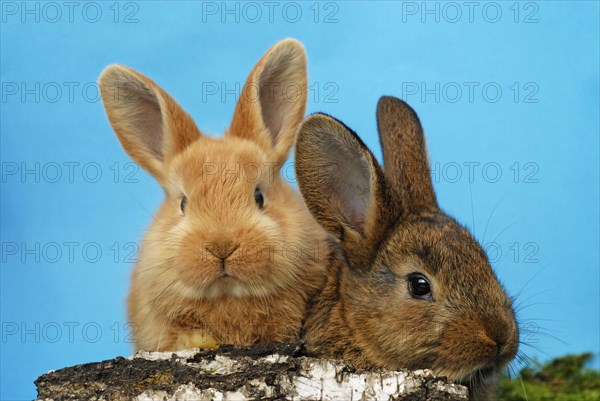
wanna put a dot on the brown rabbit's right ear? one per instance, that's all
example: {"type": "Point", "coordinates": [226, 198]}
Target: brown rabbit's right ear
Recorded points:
{"type": "Point", "coordinates": [342, 184]}
{"type": "Point", "coordinates": [405, 154]}
{"type": "Point", "coordinates": [150, 125]}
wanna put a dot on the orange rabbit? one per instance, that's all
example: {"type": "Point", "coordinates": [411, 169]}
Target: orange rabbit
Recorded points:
{"type": "Point", "coordinates": [232, 254]}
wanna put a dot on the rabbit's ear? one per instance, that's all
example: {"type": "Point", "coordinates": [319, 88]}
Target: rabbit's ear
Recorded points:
{"type": "Point", "coordinates": [273, 101]}
{"type": "Point", "coordinates": [342, 183]}
{"type": "Point", "coordinates": [405, 163]}
{"type": "Point", "coordinates": [150, 125]}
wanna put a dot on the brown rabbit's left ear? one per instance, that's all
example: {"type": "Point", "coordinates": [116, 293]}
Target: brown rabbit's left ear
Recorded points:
{"type": "Point", "coordinates": [343, 185]}
{"type": "Point", "coordinates": [273, 101]}
{"type": "Point", "coordinates": [406, 167]}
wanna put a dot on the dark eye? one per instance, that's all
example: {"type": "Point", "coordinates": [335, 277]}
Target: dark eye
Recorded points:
{"type": "Point", "coordinates": [183, 203]}
{"type": "Point", "coordinates": [259, 198]}
{"type": "Point", "coordinates": [419, 286]}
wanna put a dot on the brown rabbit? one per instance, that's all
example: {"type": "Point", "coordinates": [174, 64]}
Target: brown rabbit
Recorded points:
{"type": "Point", "coordinates": [231, 254]}
{"type": "Point", "coordinates": [408, 287]}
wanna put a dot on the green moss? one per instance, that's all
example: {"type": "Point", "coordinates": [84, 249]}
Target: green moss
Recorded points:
{"type": "Point", "coordinates": [153, 381]}
{"type": "Point", "coordinates": [562, 379]}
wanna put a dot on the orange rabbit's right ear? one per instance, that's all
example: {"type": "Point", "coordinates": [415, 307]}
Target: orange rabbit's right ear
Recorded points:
{"type": "Point", "coordinates": [150, 125]}
{"type": "Point", "coordinates": [273, 101]}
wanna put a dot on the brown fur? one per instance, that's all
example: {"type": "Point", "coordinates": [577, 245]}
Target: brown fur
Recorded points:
{"type": "Point", "coordinates": [388, 225]}
{"type": "Point", "coordinates": [223, 270]}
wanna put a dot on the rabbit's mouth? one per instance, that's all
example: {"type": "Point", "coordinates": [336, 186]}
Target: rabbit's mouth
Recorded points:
{"type": "Point", "coordinates": [480, 378]}
{"type": "Point", "coordinates": [225, 282]}
{"type": "Point", "coordinates": [224, 285]}
{"type": "Point", "coordinates": [479, 373]}
{"type": "Point", "coordinates": [225, 271]}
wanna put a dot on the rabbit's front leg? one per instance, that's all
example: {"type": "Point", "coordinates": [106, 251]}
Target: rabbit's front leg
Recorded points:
{"type": "Point", "coordinates": [195, 338]}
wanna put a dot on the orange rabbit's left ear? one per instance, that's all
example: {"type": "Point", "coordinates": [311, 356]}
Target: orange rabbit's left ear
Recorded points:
{"type": "Point", "coordinates": [150, 125]}
{"type": "Point", "coordinates": [273, 101]}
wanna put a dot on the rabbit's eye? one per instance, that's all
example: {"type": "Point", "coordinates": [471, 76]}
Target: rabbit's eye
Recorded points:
{"type": "Point", "coordinates": [418, 286]}
{"type": "Point", "coordinates": [259, 198]}
{"type": "Point", "coordinates": [183, 203]}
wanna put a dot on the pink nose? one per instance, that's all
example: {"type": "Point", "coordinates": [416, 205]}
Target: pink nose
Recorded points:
{"type": "Point", "coordinates": [221, 250]}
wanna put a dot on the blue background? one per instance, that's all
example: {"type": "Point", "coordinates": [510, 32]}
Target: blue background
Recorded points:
{"type": "Point", "coordinates": [540, 214]}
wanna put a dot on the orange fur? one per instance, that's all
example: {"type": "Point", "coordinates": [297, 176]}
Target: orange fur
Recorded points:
{"type": "Point", "coordinates": [221, 269]}
{"type": "Point", "coordinates": [389, 227]}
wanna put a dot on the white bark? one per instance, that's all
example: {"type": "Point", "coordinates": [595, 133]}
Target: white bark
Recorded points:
{"type": "Point", "coordinates": [238, 376]}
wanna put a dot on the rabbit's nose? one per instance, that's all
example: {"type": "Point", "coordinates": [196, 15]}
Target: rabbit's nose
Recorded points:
{"type": "Point", "coordinates": [505, 337]}
{"type": "Point", "coordinates": [222, 250]}
{"type": "Point", "coordinates": [507, 348]}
